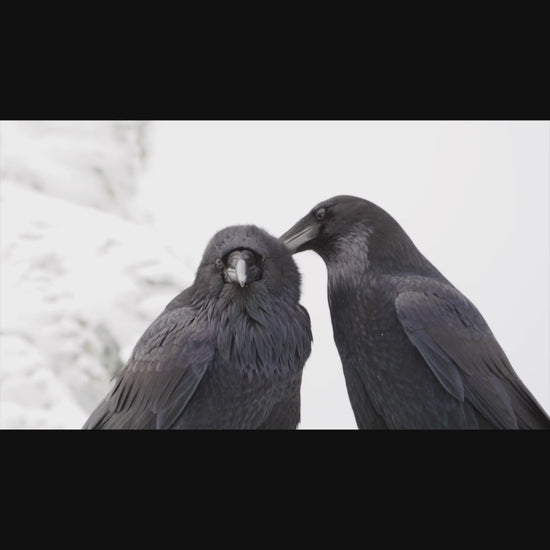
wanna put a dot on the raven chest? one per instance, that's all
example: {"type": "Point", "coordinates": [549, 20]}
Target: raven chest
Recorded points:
{"type": "Point", "coordinates": [367, 332]}
{"type": "Point", "coordinates": [363, 313]}
{"type": "Point", "coordinates": [278, 346]}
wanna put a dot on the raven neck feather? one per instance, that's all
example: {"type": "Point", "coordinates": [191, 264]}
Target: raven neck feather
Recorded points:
{"type": "Point", "coordinates": [260, 337]}
{"type": "Point", "coordinates": [363, 253]}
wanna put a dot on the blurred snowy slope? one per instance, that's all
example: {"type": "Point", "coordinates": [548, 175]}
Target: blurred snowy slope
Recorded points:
{"type": "Point", "coordinates": [93, 163]}
{"type": "Point", "coordinates": [79, 280]}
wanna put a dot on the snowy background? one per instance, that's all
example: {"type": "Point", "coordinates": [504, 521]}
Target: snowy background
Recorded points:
{"type": "Point", "coordinates": [103, 222]}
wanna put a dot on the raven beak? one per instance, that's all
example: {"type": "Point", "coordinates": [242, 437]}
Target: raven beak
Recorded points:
{"type": "Point", "coordinates": [241, 272]}
{"type": "Point", "coordinates": [299, 235]}
{"type": "Point", "coordinates": [238, 270]}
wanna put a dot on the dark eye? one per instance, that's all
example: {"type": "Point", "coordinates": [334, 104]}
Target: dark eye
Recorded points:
{"type": "Point", "coordinates": [320, 213]}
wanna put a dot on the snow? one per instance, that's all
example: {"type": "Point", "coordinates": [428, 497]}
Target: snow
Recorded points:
{"type": "Point", "coordinates": [92, 163]}
{"type": "Point", "coordinates": [103, 222]}
{"type": "Point", "coordinates": [80, 282]}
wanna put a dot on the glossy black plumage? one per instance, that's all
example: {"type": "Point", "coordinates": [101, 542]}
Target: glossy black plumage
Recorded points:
{"type": "Point", "coordinates": [226, 353]}
{"type": "Point", "coordinates": [416, 353]}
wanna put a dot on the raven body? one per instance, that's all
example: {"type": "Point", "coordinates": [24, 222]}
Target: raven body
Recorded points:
{"type": "Point", "coordinates": [226, 353]}
{"type": "Point", "coordinates": [416, 353]}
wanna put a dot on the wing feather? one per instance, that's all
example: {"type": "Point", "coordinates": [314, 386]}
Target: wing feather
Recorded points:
{"type": "Point", "coordinates": [162, 374]}
{"type": "Point", "coordinates": [464, 355]}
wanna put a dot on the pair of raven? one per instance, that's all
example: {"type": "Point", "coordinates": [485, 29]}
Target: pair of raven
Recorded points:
{"type": "Point", "coordinates": [228, 352]}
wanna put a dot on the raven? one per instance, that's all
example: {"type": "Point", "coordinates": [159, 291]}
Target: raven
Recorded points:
{"type": "Point", "coordinates": [227, 352]}
{"type": "Point", "coordinates": [416, 353]}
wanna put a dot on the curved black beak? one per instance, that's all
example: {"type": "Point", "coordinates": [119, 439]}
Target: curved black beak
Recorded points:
{"type": "Point", "coordinates": [300, 235]}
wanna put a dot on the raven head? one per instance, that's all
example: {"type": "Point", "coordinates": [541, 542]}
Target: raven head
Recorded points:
{"type": "Point", "coordinates": [347, 229]}
{"type": "Point", "coordinates": [321, 228]}
{"type": "Point", "coordinates": [245, 260]}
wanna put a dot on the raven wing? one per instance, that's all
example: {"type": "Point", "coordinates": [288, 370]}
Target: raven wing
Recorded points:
{"type": "Point", "coordinates": [462, 352]}
{"type": "Point", "coordinates": [162, 374]}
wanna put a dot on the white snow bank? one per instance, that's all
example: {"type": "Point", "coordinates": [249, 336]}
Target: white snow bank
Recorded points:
{"type": "Point", "coordinates": [94, 163]}
{"type": "Point", "coordinates": [78, 285]}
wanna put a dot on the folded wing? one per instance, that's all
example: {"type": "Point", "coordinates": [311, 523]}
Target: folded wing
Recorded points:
{"type": "Point", "coordinates": [161, 376]}
{"type": "Point", "coordinates": [462, 352]}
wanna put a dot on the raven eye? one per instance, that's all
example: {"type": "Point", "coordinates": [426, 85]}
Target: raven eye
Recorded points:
{"type": "Point", "coordinates": [320, 213]}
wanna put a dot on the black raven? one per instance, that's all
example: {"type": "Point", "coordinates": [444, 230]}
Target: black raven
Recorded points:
{"type": "Point", "coordinates": [226, 353]}
{"type": "Point", "coordinates": [416, 353]}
